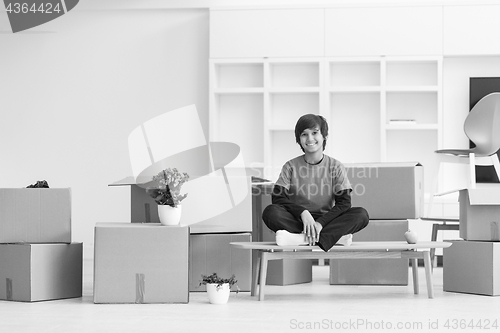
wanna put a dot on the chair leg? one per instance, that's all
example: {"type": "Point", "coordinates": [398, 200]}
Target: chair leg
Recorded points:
{"type": "Point", "coordinates": [496, 164]}
{"type": "Point", "coordinates": [435, 228]}
{"type": "Point", "coordinates": [263, 273]}
{"type": "Point", "coordinates": [414, 269]}
{"type": "Point", "coordinates": [428, 274]}
{"type": "Point", "coordinates": [472, 174]}
{"type": "Point", "coordinates": [255, 273]}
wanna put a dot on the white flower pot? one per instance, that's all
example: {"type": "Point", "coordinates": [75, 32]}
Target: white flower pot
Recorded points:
{"type": "Point", "coordinates": [218, 295]}
{"type": "Point", "coordinates": [169, 215]}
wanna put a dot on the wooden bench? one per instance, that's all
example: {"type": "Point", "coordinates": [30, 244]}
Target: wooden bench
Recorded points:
{"type": "Point", "coordinates": [358, 250]}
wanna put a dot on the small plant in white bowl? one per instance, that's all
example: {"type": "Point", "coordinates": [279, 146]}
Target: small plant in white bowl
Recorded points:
{"type": "Point", "coordinates": [218, 288]}
{"type": "Point", "coordinates": [166, 193]}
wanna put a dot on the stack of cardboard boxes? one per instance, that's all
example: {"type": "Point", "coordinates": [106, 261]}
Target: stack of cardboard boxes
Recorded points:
{"type": "Point", "coordinates": [38, 261]}
{"type": "Point", "coordinates": [472, 265]}
{"type": "Point", "coordinates": [146, 262]}
{"type": "Point", "coordinates": [392, 193]}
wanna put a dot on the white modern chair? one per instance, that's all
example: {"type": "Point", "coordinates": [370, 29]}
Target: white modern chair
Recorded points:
{"type": "Point", "coordinates": [482, 127]}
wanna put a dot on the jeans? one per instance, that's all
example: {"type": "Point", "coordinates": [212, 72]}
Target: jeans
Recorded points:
{"type": "Point", "coordinates": [351, 221]}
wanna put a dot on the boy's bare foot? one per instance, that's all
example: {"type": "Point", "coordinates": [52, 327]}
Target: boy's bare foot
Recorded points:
{"type": "Point", "coordinates": [345, 240]}
{"type": "Point", "coordinates": [284, 238]}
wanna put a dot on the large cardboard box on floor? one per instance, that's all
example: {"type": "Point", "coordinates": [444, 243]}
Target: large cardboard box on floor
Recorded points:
{"type": "Point", "coordinates": [480, 213]}
{"type": "Point", "coordinates": [388, 190]}
{"type": "Point", "coordinates": [141, 263]}
{"type": "Point", "coordinates": [373, 272]}
{"type": "Point", "coordinates": [472, 267]}
{"type": "Point", "coordinates": [35, 215]}
{"type": "Point", "coordinates": [213, 253]}
{"type": "Point", "coordinates": [40, 272]}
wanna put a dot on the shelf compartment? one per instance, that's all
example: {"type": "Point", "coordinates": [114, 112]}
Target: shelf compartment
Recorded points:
{"type": "Point", "coordinates": [286, 109]}
{"type": "Point", "coordinates": [296, 74]}
{"type": "Point", "coordinates": [354, 74]}
{"type": "Point", "coordinates": [236, 75]}
{"type": "Point", "coordinates": [412, 73]}
{"type": "Point", "coordinates": [240, 118]}
{"type": "Point", "coordinates": [354, 121]}
{"type": "Point", "coordinates": [420, 106]}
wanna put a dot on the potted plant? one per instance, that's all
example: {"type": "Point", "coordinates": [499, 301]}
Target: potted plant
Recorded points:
{"type": "Point", "coordinates": [166, 193]}
{"type": "Point", "coordinates": [218, 288]}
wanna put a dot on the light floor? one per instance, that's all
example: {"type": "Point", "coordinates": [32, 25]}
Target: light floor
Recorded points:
{"type": "Point", "coordinates": [310, 307]}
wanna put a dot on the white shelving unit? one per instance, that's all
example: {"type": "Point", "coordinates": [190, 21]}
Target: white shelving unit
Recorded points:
{"type": "Point", "coordinates": [295, 87]}
{"type": "Point", "coordinates": [353, 108]}
{"type": "Point", "coordinates": [236, 102]}
{"type": "Point", "coordinates": [256, 103]}
{"type": "Point", "coordinates": [366, 97]}
{"type": "Point", "coordinates": [413, 90]}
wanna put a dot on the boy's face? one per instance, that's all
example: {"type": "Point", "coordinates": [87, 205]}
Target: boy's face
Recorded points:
{"type": "Point", "coordinates": [311, 140]}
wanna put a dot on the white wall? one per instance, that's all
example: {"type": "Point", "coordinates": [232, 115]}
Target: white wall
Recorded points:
{"type": "Point", "coordinates": [73, 89]}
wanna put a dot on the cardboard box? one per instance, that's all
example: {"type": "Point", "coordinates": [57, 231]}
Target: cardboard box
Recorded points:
{"type": "Point", "coordinates": [480, 213]}
{"type": "Point", "coordinates": [369, 271]}
{"type": "Point", "coordinates": [40, 272]}
{"type": "Point", "coordinates": [212, 253]}
{"type": "Point", "coordinates": [472, 267]}
{"type": "Point", "coordinates": [289, 271]}
{"type": "Point", "coordinates": [35, 215]}
{"type": "Point", "coordinates": [388, 190]}
{"type": "Point", "coordinates": [141, 263]}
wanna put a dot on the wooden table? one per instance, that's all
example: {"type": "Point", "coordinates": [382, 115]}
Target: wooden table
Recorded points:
{"type": "Point", "coordinates": [358, 250]}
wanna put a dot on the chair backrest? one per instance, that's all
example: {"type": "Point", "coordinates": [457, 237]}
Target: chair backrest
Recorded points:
{"type": "Point", "coordinates": [482, 125]}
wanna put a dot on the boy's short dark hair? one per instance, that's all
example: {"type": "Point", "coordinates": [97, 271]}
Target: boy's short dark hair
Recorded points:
{"type": "Point", "coordinates": [309, 121]}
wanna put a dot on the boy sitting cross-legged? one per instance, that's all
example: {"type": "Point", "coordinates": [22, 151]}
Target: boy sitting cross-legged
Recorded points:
{"type": "Point", "coordinates": [311, 200]}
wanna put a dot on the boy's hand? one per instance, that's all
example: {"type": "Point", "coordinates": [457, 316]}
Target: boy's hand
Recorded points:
{"type": "Point", "coordinates": [318, 227]}
{"type": "Point", "coordinates": [311, 227]}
